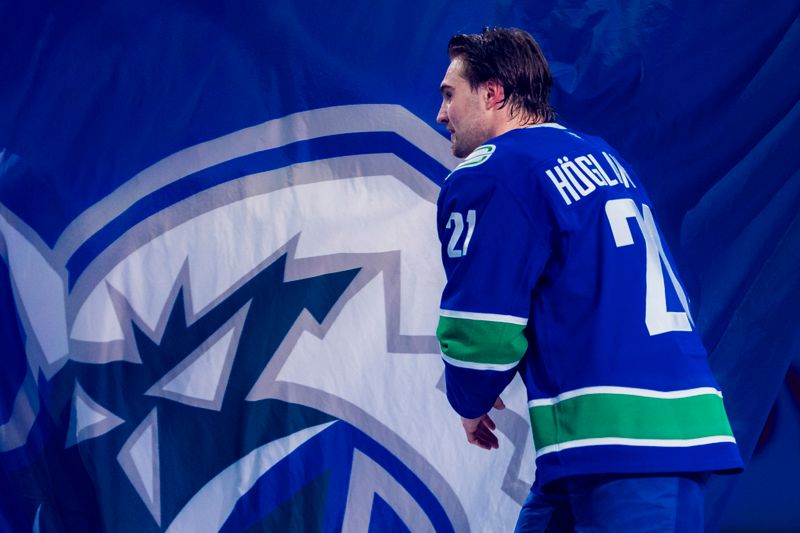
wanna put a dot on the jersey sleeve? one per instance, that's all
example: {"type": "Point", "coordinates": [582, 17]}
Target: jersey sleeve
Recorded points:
{"type": "Point", "coordinates": [493, 254]}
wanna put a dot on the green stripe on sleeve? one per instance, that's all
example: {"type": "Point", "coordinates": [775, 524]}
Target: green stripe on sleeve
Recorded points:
{"type": "Point", "coordinates": [605, 415]}
{"type": "Point", "coordinates": [481, 341]}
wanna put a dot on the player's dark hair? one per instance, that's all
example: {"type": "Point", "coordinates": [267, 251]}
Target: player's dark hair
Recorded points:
{"type": "Point", "coordinates": [513, 58]}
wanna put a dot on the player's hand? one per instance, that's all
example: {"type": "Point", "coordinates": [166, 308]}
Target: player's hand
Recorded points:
{"type": "Point", "coordinates": [480, 431]}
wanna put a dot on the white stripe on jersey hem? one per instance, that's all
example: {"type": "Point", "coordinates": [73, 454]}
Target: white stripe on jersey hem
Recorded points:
{"type": "Point", "coordinates": [487, 317]}
{"type": "Point", "coordinates": [621, 441]}
{"type": "Point", "coordinates": [630, 391]}
{"type": "Point", "coordinates": [479, 366]}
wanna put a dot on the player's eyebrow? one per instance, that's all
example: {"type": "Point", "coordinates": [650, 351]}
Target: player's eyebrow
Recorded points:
{"type": "Point", "coordinates": [443, 87]}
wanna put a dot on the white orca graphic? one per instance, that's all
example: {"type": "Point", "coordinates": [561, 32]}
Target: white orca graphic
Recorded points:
{"type": "Point", "coordinates": [375, 357]}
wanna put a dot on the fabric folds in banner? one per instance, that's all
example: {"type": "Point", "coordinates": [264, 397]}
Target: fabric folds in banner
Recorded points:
{"type": "Point", "coordinates": [219, 271]}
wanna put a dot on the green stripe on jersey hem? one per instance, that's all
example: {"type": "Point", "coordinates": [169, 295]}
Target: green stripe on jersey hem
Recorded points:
{"type": "Point", "coordinates": [481, 341]}
{"type": "Point", "coordinates": [624, 416]}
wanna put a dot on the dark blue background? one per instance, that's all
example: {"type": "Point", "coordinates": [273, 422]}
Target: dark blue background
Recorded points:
{"type": "Point", "coordinates": [702, 99]}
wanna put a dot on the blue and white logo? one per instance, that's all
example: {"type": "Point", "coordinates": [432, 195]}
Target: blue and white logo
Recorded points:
{"type": "Point", "coordinates": [250, 321]}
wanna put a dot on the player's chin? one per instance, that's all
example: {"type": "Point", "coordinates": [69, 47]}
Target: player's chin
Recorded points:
{"type": "Point", "coordinates": [459, 151]}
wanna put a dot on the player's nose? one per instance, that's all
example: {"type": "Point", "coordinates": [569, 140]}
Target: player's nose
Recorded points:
{"type": "Point", "coordinates": [441, 117]}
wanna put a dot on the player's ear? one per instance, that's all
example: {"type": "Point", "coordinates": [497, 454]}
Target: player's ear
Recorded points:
{"type": "Point", "coordinates": [494, 95]}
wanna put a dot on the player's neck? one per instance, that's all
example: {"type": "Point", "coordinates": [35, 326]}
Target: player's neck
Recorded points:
{"type": "Point", "coordinates": [506, 123]}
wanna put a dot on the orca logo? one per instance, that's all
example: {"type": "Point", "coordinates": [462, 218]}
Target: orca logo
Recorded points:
{"type": "Point", "coordinates": [257, 305]}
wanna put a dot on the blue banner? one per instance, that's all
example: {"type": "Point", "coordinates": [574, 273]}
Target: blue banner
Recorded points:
{"type": "Point", "coordinates": [220, 273]}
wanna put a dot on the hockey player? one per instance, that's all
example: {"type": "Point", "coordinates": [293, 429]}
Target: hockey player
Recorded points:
{"type": "Point", "coordinates": [556, 270]}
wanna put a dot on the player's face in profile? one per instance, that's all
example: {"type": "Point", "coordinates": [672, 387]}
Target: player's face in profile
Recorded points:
{"type": "Point", "coordinates": [461, 111]}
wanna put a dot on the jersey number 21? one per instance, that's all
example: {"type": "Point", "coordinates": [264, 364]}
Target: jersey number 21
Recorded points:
{"type": "Point", "coordinates": [657, 318]}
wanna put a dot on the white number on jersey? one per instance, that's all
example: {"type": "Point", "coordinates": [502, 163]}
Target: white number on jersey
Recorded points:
{"type": "Point", "coordinates": [457, 220]}
{"type": "Point", "coordinates": [657, 318]}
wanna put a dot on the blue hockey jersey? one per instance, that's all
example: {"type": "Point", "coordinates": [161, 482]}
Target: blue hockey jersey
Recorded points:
{"type": "Point", "coordinates": [555, 269]}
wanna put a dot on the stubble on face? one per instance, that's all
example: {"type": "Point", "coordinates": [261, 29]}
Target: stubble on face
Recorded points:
{"type": "Point", "coordinates": [466, 120]}
{"type": "Point", "coordinates": [470, 134]}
